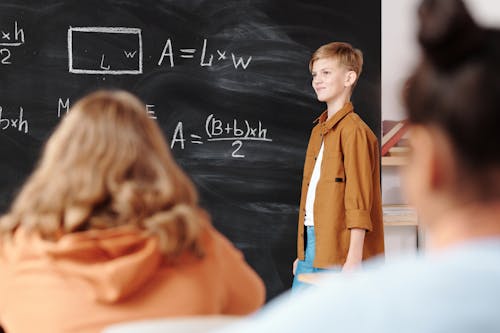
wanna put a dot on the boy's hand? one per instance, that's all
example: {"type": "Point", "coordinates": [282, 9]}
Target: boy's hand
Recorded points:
{"type": "Point", "coordinates": [355, 253]}
{"type": "Point", "coordinates": [294, 266]}
{"type": "Point", "coordinates": [351, 265]}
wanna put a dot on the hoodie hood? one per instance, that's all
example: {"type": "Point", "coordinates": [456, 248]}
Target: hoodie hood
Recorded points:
{"type": "Point", "coordinates": [114, 262]}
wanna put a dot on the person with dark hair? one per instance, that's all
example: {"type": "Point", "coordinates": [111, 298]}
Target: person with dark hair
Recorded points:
{"type": "Point", "coordinates": [453, 179]}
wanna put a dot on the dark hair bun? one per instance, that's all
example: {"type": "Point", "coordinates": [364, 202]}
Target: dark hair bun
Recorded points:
{"type": "Point", "coordinates": [456, 88]}
{"type": "Point", "coordinates": [447, 32]}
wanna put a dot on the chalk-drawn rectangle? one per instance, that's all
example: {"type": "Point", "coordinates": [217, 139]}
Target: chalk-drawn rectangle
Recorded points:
{"type": "Point", "coordinates": [105, 50]}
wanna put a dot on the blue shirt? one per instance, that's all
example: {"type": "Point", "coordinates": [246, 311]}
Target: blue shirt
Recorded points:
{"type": "Point", "coordinates": [456, 290]}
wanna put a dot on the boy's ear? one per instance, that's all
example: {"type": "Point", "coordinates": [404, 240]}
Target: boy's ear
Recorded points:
{"type": "Point", "coordinates": [350, 78]}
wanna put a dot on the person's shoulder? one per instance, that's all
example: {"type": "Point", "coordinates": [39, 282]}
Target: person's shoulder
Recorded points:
{"type": "Point", "coordinates": [388, 296]}
{"type": "Point", "coordinates": [352, 122]}
{"type": "Point", "coordinates": [216, 246]}
{"type": "Point", "coordinates": [387, 283]}
{"type": "Point", "coordinates": [422, 277]}
{"type": "Point", "coordinates": [402, 287]}
{"type": "Point", "coordinates": [444, 289]}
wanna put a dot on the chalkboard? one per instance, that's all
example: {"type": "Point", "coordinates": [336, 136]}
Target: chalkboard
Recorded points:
{"type": "Point", "coordinates": [227, 81]}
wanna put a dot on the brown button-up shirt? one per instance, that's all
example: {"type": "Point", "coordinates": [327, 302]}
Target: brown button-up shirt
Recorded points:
{"type": "Point", "coordinates": [348, 192]}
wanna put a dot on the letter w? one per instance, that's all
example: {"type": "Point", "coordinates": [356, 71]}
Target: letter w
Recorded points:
{"type": "Point", "coordinates": [130, 54]}
{"type": "Point", "coordinates": [241, 62]}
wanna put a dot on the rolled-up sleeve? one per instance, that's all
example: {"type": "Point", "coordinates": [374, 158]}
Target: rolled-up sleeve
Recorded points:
{"type": "Point", "coordinates": [358, 164]}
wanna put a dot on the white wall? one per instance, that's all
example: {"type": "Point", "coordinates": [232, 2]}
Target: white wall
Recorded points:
{"type": "Point", "coordinates": [399, 54]}
{"type": "Point", "coordinates": [399, 48]}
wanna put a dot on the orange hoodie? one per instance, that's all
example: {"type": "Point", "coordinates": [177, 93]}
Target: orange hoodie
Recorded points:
{"type": "Point", "coordinates": [86, 281]}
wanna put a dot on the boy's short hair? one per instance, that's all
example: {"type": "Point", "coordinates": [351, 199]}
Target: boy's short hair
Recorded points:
{"type": "Point", "coordinates": [348, 56]}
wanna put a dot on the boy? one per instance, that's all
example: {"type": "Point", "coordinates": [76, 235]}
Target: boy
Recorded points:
{"type": "Point", "coordinates": [340, 219]}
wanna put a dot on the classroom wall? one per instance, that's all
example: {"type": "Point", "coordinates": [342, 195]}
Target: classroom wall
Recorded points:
{"type": "Point", "coordinates": [399, 54]}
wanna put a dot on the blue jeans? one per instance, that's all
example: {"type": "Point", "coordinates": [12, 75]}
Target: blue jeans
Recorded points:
{"type": "Point", "coordinates": [306, 265]}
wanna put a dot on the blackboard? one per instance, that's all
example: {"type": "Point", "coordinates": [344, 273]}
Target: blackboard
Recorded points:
{"type": "Point", "coordinates": [227, 80]}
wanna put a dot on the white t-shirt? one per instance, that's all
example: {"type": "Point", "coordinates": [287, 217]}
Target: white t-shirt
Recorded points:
{"type": "Point", "coordinates": [311, 191]}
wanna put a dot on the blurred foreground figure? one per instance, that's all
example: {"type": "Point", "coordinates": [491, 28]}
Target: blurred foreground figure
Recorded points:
{"type": "Point", "coordinates": [108, 229]}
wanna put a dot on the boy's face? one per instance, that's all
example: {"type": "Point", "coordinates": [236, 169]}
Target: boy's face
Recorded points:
{"type": "Point", "coordinates": [330, 80]}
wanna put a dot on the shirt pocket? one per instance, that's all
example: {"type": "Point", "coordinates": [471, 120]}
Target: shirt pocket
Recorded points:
{"type": "Point", "coordinates": [332, 168]}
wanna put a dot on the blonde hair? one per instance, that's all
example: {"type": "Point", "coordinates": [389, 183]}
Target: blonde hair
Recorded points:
{"type": "Point", "coordinates": [347, 56]}
{"type": "Point", "coordinates": [107, 165]}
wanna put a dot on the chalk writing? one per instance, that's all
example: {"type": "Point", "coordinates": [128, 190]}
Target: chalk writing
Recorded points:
{"type": "Point", "coordinates": [8, 39]}
{"type": "Point", "coordinates": [217, 130]}
{"type": "Point", "coordinates": [12, 38]}
{"type": "Point", "coordinates": [150, 111]}
{"type": "Point", "coordinates": [5, 55]}
{"type": "Point", "coordinates": [63, 106]}
{"type": "Point", "coordinates": [18, 123]}
{"type": "Point", "coordinates": [89, 50]}
{"type": "Point", "coordinates": [206, 60]}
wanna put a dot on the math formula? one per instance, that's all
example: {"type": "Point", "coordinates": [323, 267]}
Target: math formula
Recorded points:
{"type": "Point", "coordinates": [235, 131]}
{"type": "Point", "coordinates": [11, 37]}
{"type": "Point", "coordinates": [119, 51]}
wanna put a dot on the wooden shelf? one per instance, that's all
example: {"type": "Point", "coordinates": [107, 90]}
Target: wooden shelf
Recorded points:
{"type": "Point", "coordinates": [394, 160]}
{"type": "Point", "coordinates": [399, 215]}
{"type": "Point", "coordinates": [401, 224]}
